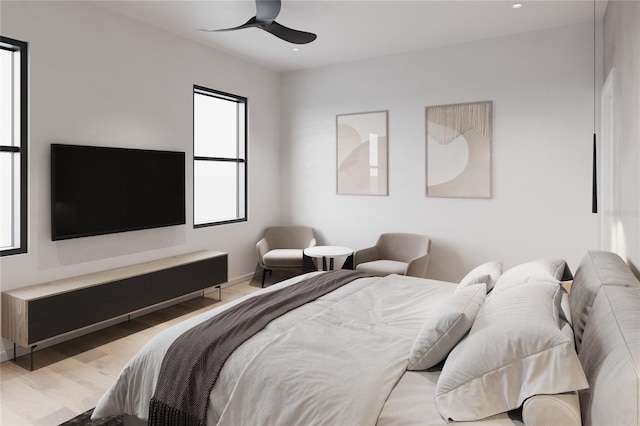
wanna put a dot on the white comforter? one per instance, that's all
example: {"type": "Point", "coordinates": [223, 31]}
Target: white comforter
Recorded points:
{"type": "Point", "coordinates": [332, 361]}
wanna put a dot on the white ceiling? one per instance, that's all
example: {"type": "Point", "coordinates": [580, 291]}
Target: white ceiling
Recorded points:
{"type": "Point", "coordinates": [354, 29]}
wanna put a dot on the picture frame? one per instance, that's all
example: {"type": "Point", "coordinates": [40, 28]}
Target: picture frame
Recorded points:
{"type": "Point", "coordinates": [458, 150]}
{"type": "Point", "coordinates": [362, 153]}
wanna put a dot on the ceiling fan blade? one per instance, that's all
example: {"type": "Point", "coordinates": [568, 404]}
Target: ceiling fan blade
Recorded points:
{"type": "Point", "coordinates": [249, 24]}
{"type": "Point", "coordinates": [267, 10]}
{"type": "Point", "coordinates": [289, 34]}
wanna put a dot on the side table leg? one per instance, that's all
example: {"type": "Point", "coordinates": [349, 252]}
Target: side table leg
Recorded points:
{"type": "Point", "coordinates": [331, 263]}
{"type": "Point", "coordinates": [324, 263]}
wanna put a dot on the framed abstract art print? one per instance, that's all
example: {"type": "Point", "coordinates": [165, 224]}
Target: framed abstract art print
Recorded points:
{"type": "Point", "coordinates": [458, 139]}
{"type": "Point", "coordinates": [361, 151]}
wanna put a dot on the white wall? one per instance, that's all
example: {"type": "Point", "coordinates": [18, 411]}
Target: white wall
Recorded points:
{"type": "Point", "coordinates": [622, 53]}
{"type": "Point", "coordinates": [97, 78]}
{"type": "Point", "coordinates": [541, 86]}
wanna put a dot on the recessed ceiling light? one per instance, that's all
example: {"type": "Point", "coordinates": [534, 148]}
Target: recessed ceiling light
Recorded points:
{"type": "Point", "coordinates": [295, 49]}
{"type": "Point", "coordinates": [517, 6]}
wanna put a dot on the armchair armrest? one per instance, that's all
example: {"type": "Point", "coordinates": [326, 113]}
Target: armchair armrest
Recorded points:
{"type": "Point", "coordinates": [368, 254]}
{"type": "Point", "coordinates": [262, 247]}
{"type": "Point", "coordinates": [418, 267]}
{"type": "Point", "coordinates": [312, 243]}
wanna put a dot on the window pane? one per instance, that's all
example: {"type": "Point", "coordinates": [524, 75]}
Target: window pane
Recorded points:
{"type": "Point", "coordinates": [215, 191]}
{"type": "Point", "coordinates": [242, 208]}
{"type": "Point", "coordinates": [9, 199]}
{"type": "Point", "coordinates": [6, 97]}
{"type": "Point", "coordinates": [215, 132]}
{"type": "Point", "coordinates": [242, 137]}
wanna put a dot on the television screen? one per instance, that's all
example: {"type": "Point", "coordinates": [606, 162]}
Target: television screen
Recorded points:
{"type": "Point", "coordinates": [100, 190]}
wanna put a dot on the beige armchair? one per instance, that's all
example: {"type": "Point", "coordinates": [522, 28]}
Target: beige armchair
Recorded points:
{"type": "Point", "coordinates": [282, 248]}
{"type": "Point", "coordinates": [395, 253]}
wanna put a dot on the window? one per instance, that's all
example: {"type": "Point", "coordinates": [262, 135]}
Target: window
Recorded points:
{"type": "Point", "coordinates": [13, 146]}
{"type": "Point", "coordinates": [219, 157]}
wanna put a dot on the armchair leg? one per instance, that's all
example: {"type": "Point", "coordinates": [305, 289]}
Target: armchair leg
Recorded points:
{"type": "Point", "coordinates": [264, 274]}
{"type": "Point", "coordinates": [307, 264]}
{"type": "Point", "coordinates": [348, 264]}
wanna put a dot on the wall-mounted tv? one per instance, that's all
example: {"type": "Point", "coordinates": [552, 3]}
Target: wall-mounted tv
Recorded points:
{"type": "Point", "coordinates": [100, 190]}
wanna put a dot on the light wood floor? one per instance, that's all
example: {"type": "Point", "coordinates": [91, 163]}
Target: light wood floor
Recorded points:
{"type": "Point", "coordinates": [69, 378]}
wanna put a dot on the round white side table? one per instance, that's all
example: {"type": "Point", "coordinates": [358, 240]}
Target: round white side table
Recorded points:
{"type": "Point", "coordinates": [329, 252]}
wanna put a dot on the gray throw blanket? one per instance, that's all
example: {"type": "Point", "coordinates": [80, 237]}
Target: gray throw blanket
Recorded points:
{"type": "Point", "coordinates": [193, 362]}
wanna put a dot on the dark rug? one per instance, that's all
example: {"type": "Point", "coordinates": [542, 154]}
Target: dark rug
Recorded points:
{"type": "Point", "coordinates": [84, 419]}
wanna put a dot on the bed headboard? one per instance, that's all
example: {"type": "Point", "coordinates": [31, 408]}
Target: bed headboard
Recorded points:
{"type": "Point", "coordinates": [605, 306]}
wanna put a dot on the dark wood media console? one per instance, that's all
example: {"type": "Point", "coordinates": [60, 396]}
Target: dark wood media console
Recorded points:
{"type": "Point", "coordinates": [32, 315]}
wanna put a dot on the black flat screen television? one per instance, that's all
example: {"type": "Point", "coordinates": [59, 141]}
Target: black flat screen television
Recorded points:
{"type": "Point", "coordinates": [100, 190]}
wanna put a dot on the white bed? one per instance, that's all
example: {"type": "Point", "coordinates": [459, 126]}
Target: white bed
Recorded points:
{"type": "Point", "coordinates": [341, 359]}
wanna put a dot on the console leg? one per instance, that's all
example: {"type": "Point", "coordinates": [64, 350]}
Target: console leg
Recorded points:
{"type": "Point", "coordinates": [32, 347]}
{"type": "Point", "coordinates": [15, 354]}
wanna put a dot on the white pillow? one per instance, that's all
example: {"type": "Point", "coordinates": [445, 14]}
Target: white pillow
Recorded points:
{"type": "Point", "coordinates": [536, 270]}
{"type": "Point", "coordinates": [486, 273]}
{"type": "Point", "coordinates": [514, 350]}
{"type": "Point", "coordinates": [444, 328]}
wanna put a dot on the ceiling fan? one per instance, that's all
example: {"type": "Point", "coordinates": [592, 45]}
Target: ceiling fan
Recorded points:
{"type": "Point", "coordinates": [266, 13]}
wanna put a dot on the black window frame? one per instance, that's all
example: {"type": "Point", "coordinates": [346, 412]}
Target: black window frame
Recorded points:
{"type": "Point", "coordinates": [201, 90]}
{"type": "Point", "coordinates": [13, 45]}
